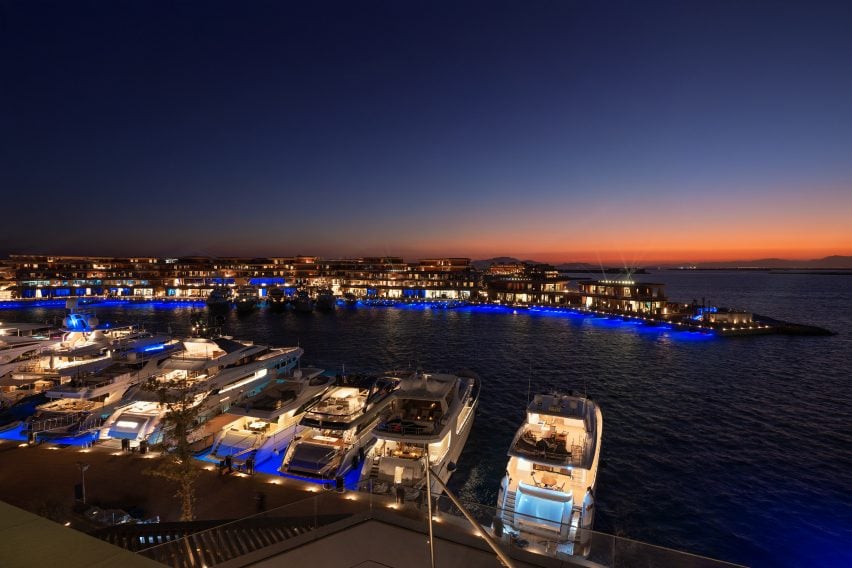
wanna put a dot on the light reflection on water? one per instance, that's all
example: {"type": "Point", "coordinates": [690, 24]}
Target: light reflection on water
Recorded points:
{"type": "Point", "coordinates": [739, 448]}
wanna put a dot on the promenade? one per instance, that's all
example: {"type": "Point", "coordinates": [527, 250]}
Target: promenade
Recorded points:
{"type": "Point", "coordinates": [41, 479]}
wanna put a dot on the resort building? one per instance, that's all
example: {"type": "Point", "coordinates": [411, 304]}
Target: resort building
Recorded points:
{"type": "Point", "coordinates": [624, 296]}
{"type": "Point", "coordinates": [728, 316]}
{"type": "Point", "coordinates": [7, 280]}
{"type": "Point", "coordinates": [526, 283]}
{"type": "Point", "coordinates": [46, 276]}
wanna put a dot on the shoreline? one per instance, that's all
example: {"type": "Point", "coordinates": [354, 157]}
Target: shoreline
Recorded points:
{"type": "Point", "coordinates": [763, 325]}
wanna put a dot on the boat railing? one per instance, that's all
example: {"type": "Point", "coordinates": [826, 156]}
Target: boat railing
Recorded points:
{"type": "Point", "coordinates": [406, 427]}
{"type": "Point", "coordinates": [47, 424]}
{"type": "Point", "coordinates": [84, 384]}
{"type": "Point", "coordinates": [548, 449]}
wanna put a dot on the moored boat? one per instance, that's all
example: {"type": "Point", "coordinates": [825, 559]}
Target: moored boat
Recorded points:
{"type": "Point", "coordinates": [220, 298]}
{"type": "Point", "coordinates": [211, 374]}
{"type": "Point", "coordinates": [276, 299]}
{"type": "Point", "coordinates": [429, 415]}
{"type": "Point", "coordinates": [326, 301]}
{"type": "Point", "coordinates": [548, 490]}
{"type": "Point", "coordinates": [265, 424]}
{"type": "Point", "coordinates": [338, 432]}
{"type": "Point", "coordinates": [303, 303]}
{"type": "Point", "coordinates": [246, 299]}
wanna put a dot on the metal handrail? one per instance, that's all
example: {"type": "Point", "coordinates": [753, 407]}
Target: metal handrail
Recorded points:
{"type": "Point", "coordinates": [504, 558]}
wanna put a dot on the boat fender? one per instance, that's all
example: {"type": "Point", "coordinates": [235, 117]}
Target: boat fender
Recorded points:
{"type": "Point", "coordinates": [451, 467]}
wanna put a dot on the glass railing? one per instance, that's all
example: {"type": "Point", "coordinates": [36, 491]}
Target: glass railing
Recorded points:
{"type": "Point", "coordinates": [328, 511]}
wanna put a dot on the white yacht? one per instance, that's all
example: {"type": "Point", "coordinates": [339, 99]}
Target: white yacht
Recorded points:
{"type": "Point", "coordinates": [212, 373]}
{"type": "Point", "coordinates": [21, 348]}
{"type": "Point", "coordinates": [33, 357]}
{"type": "Point", "coordinates": [88, 393]}
{"type": "Point", "coordinates": [338, 431]}
{"type": "Point", "coordinates": [247, 299]}
{"type": "Point", "coordinates": [429, 414]}
{"type": "Point", "coordinates": [265, 424]}
{"type": "Point", "coordinates": [548, 490]}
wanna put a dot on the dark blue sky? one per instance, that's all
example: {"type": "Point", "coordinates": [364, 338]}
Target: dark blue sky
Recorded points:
{"type": "Point", "coordinates": [562, 130]}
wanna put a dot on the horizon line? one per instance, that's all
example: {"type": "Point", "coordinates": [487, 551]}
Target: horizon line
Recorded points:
{"type": "Point", "coordinates": [410, 258]}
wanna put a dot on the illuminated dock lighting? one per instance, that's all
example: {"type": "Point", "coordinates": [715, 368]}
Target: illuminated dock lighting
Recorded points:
{"type": "Point", "coordinates": [392, 506]}
{"type": "Point", "coordinates": [351, 498]}
{"type": "Point", "coordinates": [68, 524]}
{"type": "Point", "coordinates": [115, 454]}
{"type": "Point", "coordinates": [52, 448]}
{"type": "Point", "coordinates": [24, 445]}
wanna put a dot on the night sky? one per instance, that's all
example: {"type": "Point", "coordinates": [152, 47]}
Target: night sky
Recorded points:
{"type": "Point", "coordinates": [596, 130]}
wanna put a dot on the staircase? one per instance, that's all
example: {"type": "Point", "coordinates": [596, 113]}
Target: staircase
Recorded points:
{"type": "Point", "coordinates": [207, 543]}
{"type": "Point", "coordinates": [508, 512]}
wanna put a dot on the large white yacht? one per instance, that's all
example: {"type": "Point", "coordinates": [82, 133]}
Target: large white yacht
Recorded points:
{"type": "Point", "coordinates": [338, 431]}
{"type": "Point", "coordinates": [428, 414]}
{"type": "Point", "coordinates": [33, 357]}
{"type": "Point", "coordinates": [88, 393]}
{"type": "Point", "coordinates": [548, 490]}
{"type": "Point", "coordinates": [265, 424]}
{"type": "Point", "coordinates": [21, 348]}
{"type": "Point", "coordinates": [211, 373]}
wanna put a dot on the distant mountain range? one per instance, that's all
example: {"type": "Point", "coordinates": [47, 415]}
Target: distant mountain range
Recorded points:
{"type": "Point", "coordinates": [834, 262]}
{"type": "Point", "coordinates": [564, 267]}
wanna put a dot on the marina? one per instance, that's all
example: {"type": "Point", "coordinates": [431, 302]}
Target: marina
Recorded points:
{"type": "Point", "coordinates": [610, 357]}
{"type": "Point", "coordinates": [426, 285]}
{"type": "Point", "coordinates": [306, 283]}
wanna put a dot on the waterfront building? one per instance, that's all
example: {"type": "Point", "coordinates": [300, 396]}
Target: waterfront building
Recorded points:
{"type": "Point", "coordinates": [194, 278]}
{"type": "Point", "coordinates": [728, 316]}
{"type": "Point", "coordinates": [624, 296]}
{"type": "Point", "coordinates": [7, 280]}
{"type": "Point", "coordinates": [527, 283]}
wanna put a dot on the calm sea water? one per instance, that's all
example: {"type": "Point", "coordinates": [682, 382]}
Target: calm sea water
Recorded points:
{"type": "Point", "coordinates": [738, 449]}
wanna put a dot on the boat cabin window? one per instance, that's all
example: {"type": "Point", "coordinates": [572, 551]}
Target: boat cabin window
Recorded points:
{"type": "Point", "coordinates": [552, 469]}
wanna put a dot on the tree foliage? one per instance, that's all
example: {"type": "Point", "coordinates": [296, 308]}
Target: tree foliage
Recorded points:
{"type": "Point", "coordinates": [177, 463]}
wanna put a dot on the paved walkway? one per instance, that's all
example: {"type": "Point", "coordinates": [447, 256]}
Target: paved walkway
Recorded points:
{"type": "Point", "coordinates": [41, 479]}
